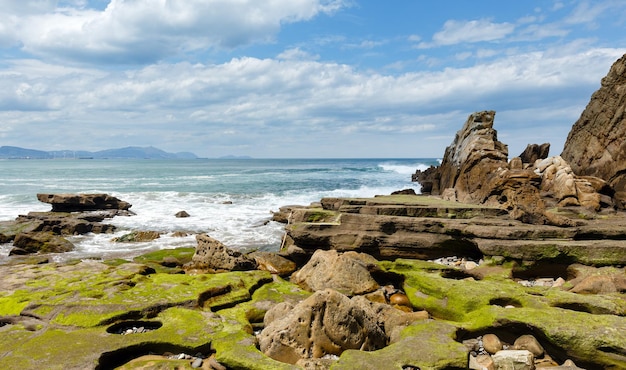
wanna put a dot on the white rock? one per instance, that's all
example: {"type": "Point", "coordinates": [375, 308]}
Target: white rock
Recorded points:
{"type": "Point", "coordinates": [514, 360]}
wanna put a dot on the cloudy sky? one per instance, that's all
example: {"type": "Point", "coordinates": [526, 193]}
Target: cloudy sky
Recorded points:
{"type": "Point", "coordinates": [298, 78]}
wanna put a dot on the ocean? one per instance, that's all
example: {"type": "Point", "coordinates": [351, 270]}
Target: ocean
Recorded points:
{"type": "Point", "coordinates": [230, 199]}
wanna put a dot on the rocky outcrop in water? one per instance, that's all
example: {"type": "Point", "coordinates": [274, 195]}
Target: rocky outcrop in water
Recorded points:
{"type": "Point", "coordinates": [72, 214]}
{"type": "Point", "coordinates": [596, 144]}
{"type": "Point", "coordinates": [83, 202]}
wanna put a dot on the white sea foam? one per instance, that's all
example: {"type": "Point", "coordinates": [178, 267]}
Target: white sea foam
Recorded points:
{"type": "Point", "coordinates": [231, 201]}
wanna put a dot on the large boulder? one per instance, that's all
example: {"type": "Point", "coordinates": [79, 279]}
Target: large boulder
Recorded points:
{"type": "Point", "coordinates": [596, 145]}
{"type": "Point", "coordinates": [211, 255]}
{"type": "Point", "coordinates": [82, 202]}
{"type": "Point", "coordinates": [348, 273]}
{"type": "Point", "coordinates": [327, 322]}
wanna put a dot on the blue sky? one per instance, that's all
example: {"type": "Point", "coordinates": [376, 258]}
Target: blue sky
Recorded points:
{"type": "Point", "coordinates": [298, 78]}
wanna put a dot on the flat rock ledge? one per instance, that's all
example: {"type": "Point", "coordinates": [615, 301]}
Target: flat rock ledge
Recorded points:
{"type": "Point", "coordinates": [428, 227]}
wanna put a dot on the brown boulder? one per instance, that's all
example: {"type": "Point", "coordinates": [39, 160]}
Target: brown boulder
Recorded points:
{"type": "Point", "coordinates": [348, 273]}
{"type": "Point", "coordinates": [82, 202]}
{"type": "Point", "coordinates": [42, 242]}
{"type": "Point", "coordinates": [596, 144]}
{"type": "Point", "coordinates": [327, 322]}
{"type": "Point", "coordinates": [273, 263]}
{"type": "Point", "coordinates": [212, 255]}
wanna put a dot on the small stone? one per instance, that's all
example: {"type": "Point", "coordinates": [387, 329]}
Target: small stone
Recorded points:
{"type": "Point", "coordinates": [129, 331]}
{"type": "Point", "coordinates": [471, 344]}
{"type": "Point", "coordinates": [529, 343]}
{"type": "Point", "coordinates": [181, 356]}
{"type": "Point", "coordinates": [481, 362]}
{"type": "Point", "coordinates": [399, 299]}
{"type": "Point", "coordinates": [514, 360]}
{"type": "Point", "coordinates": [182, 214]}
{"type": "Point", "coordinates": [558, 282]}
{"type": "Point", "coordinates": [491, 343]}
{"type": "Point", "coordinates": [197, 363]}
{"type": "Point", "coordinates": [470, 265]}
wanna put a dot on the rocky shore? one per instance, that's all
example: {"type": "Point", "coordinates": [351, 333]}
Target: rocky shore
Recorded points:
{"type": "Point", "coordinates": [501, 264]}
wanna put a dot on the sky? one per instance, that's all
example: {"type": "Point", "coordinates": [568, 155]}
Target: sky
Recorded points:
{"type": "Point", "coordinates": [299, 78]}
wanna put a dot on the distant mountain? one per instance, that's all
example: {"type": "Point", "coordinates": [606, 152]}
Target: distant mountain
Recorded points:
{"type": "Point", "coordinates": [131, 152]}
{"type": "Point", "coordinates": [235, 157]}
{"type": "Point", "coordinates": [17, 152]}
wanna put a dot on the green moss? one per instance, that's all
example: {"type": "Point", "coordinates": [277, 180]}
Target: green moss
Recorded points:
{"type": "Point", "coordinates": [321, 216]}
{"type": "Point", "coordinates": [12, 305]}
{"type": "Point", "coordinates": [237, 350]}
{"type": "Point", "coordinates": [424, 345]}
{"type": "Point", "coordinates": [183, 255]}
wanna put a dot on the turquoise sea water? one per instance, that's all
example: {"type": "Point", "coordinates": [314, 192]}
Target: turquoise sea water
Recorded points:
{"type": "Point", "coordinates": [230, 199]}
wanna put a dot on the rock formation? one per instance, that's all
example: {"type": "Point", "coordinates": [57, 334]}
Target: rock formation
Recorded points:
{"type": "Point", "coordinates": [82, 202]}
{"type": "Point", "coordinates": [211, 255]}
{"type": "Point", "coordinates": [596, 145]}
{"type": "Point", "coordinates": [328, 322]}
{"type": "Point", "coordinates": [475, 169]}
{"type": "Point", "coordinates": [347, 273]}
{"type": "Point", "coordinates": [472, 157]}
{"type": "Point", "coordinates": [72, 214]}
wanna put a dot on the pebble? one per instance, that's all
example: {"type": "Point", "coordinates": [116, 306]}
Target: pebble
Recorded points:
{"type": "Point", "coordinates": [491, 343]}
{"type": "Point", "coordinates": [196, 363]}
{"type": "Point", "coordinates": [529, 343]}
{"type": "Point", "coordinates": [134, 330]}
{"type": "Point", "coordinates": [399, 299]}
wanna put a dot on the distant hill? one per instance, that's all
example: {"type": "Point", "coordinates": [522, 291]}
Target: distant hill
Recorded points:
{"type": "Point", "coordinates": [131, 152]}
{"type": "Point", "coordinates": [235, 157]}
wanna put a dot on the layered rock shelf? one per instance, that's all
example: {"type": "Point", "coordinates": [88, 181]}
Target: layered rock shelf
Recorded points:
{"type": "Point", "coordinates": [428, 227]}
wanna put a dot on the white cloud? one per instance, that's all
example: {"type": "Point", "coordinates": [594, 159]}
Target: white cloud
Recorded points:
{"type": "Point", "coordinates": [263, 100]}
{"type": "Point", "coordinates": [296, 54]}
{"type": "Point", "coordinates": [457, 32]}
{"type": "Point", "coordinates": [141, 31]}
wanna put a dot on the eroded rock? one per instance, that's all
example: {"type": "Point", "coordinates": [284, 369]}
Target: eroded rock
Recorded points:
{"type": "Point", "coordinates": [348, 273]}
{"type": "Point", "coordinates": [211, 255]}
{"type": "Point", "coordinates": [328, 322]}
{"type": "Point", "coordinates": [596, 144]}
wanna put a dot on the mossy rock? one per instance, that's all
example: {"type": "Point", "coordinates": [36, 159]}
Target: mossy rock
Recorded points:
{"type": "Point", "coordinates": [158, 259]}
{"type": "Point", "coordinates": [424, 345]}
{"type": "Point", "coordinates": [591, 340]}
{"type": "Point", "coordinates": [71, 348]}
